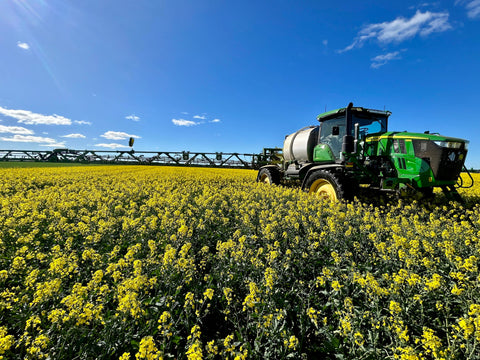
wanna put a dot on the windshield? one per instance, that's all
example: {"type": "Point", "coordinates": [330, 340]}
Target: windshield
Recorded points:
{"type": "Point", "coordinates": [369, 125]}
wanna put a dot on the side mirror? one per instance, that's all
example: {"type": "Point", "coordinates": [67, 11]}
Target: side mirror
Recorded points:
{"type": "Point", "coordinates": [335, 130]}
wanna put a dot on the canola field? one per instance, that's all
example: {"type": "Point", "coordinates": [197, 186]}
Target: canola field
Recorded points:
{"type": "Point", "coordinates": [132, 262]}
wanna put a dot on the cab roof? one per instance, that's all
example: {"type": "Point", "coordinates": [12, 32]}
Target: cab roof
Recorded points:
{"type": "Point", "coordinates": [335, 113]}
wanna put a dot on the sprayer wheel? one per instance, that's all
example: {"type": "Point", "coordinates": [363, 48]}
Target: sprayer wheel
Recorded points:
{"type": "Point", "coordinates": [326, 185]}
{"type": "Point", "coordinates": [269, 175]}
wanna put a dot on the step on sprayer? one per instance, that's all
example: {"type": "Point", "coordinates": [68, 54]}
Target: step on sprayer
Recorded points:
{"type": "Point", "coordinates": [351, 148]}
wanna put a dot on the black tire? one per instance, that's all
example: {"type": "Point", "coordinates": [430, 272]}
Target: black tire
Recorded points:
{"type": "Point", "coordinates": [327, 185]}
{"type": "Point", "coordinates": [269, 175]}
{"type": "Point", "coordinates": [451, 193]}
{"type": "Point", "coordinates": [427, 193]}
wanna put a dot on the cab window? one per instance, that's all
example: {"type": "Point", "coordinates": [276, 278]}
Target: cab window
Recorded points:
{"type": "Point", "coordinates": [332, 132]}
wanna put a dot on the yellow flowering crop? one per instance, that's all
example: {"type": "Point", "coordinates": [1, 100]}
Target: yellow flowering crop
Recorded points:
{"type": "Point", "coordinates": [133, 262]}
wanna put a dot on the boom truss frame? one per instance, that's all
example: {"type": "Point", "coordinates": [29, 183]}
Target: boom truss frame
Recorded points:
{"type": "Point", "coordinates": [174, 158]}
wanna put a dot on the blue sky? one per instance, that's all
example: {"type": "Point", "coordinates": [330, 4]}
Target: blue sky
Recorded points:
{"type": "Point", "coordinates": [231, 76]}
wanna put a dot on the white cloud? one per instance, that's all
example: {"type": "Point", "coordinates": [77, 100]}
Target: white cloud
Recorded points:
{"type": "Point", "coordinates": [74, 136]}
{"type": "Point", "coordinates": [325, 42]}
{"type": "Point", "coordinates": [132, 117]}
{"type": "Point", "coordinates": [81, 122]}
{"type": "Point", "coordinates": [201, 118]}
{"type": "Point", "coordinates": [23, 45]}
{"type": "Point", "coordinates": [118, 135]}
{"type": "Point", "coordinates": [473, 8]}
{"type": "Point", "coordinates": [112, 146]}
{"type": "Point", "coordinates": [29, 139]}
{"type": "Point", "coordinates": [54, 145]}
{"type": "Point", "coordinates": [15, 130]}
{"type": "Point", "coordinates": [401, 29]}
{"type": "Point", "coordinates": [381, 60]}
{"type": "Point", "coordinates": [183, 122]}
{"type": "Point", "coordinates": [29, 118]}
{"type": "Point", "coordinates": [425, 4]}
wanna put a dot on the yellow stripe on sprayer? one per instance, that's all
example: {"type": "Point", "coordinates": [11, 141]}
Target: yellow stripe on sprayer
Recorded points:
{"type": "Point", "coordinates": [406, 137]}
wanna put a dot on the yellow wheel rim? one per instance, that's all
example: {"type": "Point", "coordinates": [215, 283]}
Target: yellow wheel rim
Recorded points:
{"type": "Point", "coordinates": [324, 189]}
{"type": "Point", "coordinates": [265, 179]}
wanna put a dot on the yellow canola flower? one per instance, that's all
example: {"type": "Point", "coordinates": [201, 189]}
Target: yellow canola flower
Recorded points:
{"type": "Point", "coordinates": [148, 350]}
{"type": "Point", "coordinates": [270, 277]}
{"type": "Point", "coordinates": [158, 245]}
{"type": "Point", "coordinates": [433, 283]}
{"type": "Point", "coordinates": [430, 342]}
{"type": "Point", "coordinates": [208, 294]}
{"type": "Point", "coordinates": [252, 298]}
{"type": "Point", "coordinates": [313, 315]}
{"type": "Point", "coordinates": [6, 341]}
{"type": "Point", "coordinates": [227, 343]}
{"type": "Point", "coordinates": [474, 310]}
{"type": "Point", "coordinates": [467, 326]}
{"type": "Point", "coordinates": [359, 340]}
{"type": "Point", "coordinates": [189, 300]}
{"type": "Point", "coordinates": [407, 353]}
{"type": "Point", "coordinates": [194, 352]}
{"type": "Point", "coordinates": [291, 343]}
{"type": "Point", "coordinates": [336, 285]}
{"type": "Point", "coordinates": [124, 356]}
{"type": "Point", "coordinates": [395, 307]}
{"type": "Point", "coordinates": [456, 290]}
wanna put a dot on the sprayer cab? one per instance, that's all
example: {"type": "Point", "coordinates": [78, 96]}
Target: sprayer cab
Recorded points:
{"type": "Point", "coordinates": [343, 128]}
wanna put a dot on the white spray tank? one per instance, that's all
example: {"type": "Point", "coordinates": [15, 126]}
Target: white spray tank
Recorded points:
{"type": "Point", "coordinates": [299, 145]}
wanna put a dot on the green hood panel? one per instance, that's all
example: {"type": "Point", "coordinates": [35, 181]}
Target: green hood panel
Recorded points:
{"type": "Point", "coordinates": [410, 135]}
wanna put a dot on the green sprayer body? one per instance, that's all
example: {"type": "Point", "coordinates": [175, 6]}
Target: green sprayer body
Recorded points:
{"type": "Point", "coordinates": [353, 145]}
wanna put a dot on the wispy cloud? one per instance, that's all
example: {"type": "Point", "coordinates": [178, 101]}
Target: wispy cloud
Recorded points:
{"type": "Point", "coordinates": [118, 135]}
{"type": "Point", "coordinates": [425, 4]}
{"type": "Point", "coordinates": [81, 122]}
{"type": "Point", "coordinates": [15, 130]}
{"type": "Point", "coordinates": [29, 139]}
{"type": "Point", "coordinates": [474, 9]}
{"type": "Point", "coordinates": [74, 136]}
{"type": "Point", "coordinates": [23, 45]}
{"type": "Point", "coordinates": [54, 145]}
{"type": "Point", "coordinates": [401, 29]}
{"type": "Point", "coordinates": [30, 118]}
{"type": "Point", "coordinates": [381, 60]}
{"type": "Point", "coordinates": [112, 146]}
{"type": "Point", "coordinates": [132, 117]}
{"type": "Point", "coordinates": [197, 120]}
{"type": "Point", "coordinates": [183, 122]}
{"type": "Point", "coordinates": [472, 6]}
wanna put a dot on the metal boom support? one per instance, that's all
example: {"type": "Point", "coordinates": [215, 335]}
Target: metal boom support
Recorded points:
{"type": "Point", "coordinates": [176, 158]}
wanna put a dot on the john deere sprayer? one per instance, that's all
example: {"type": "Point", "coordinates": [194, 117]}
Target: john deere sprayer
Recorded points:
{"type": "Point", "coordinates": [352, 149]}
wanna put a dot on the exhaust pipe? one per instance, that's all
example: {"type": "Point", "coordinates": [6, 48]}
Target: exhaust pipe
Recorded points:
{"type": "Point", "coordinates": [348, 143]}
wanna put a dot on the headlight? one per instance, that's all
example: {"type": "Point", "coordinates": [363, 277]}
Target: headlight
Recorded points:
{"type": "Point", "coordinates": [449, 144]}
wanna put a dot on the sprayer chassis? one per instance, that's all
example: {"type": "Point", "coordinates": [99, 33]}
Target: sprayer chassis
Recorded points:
{"type": "Point", "coordinates": [352, 147]}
